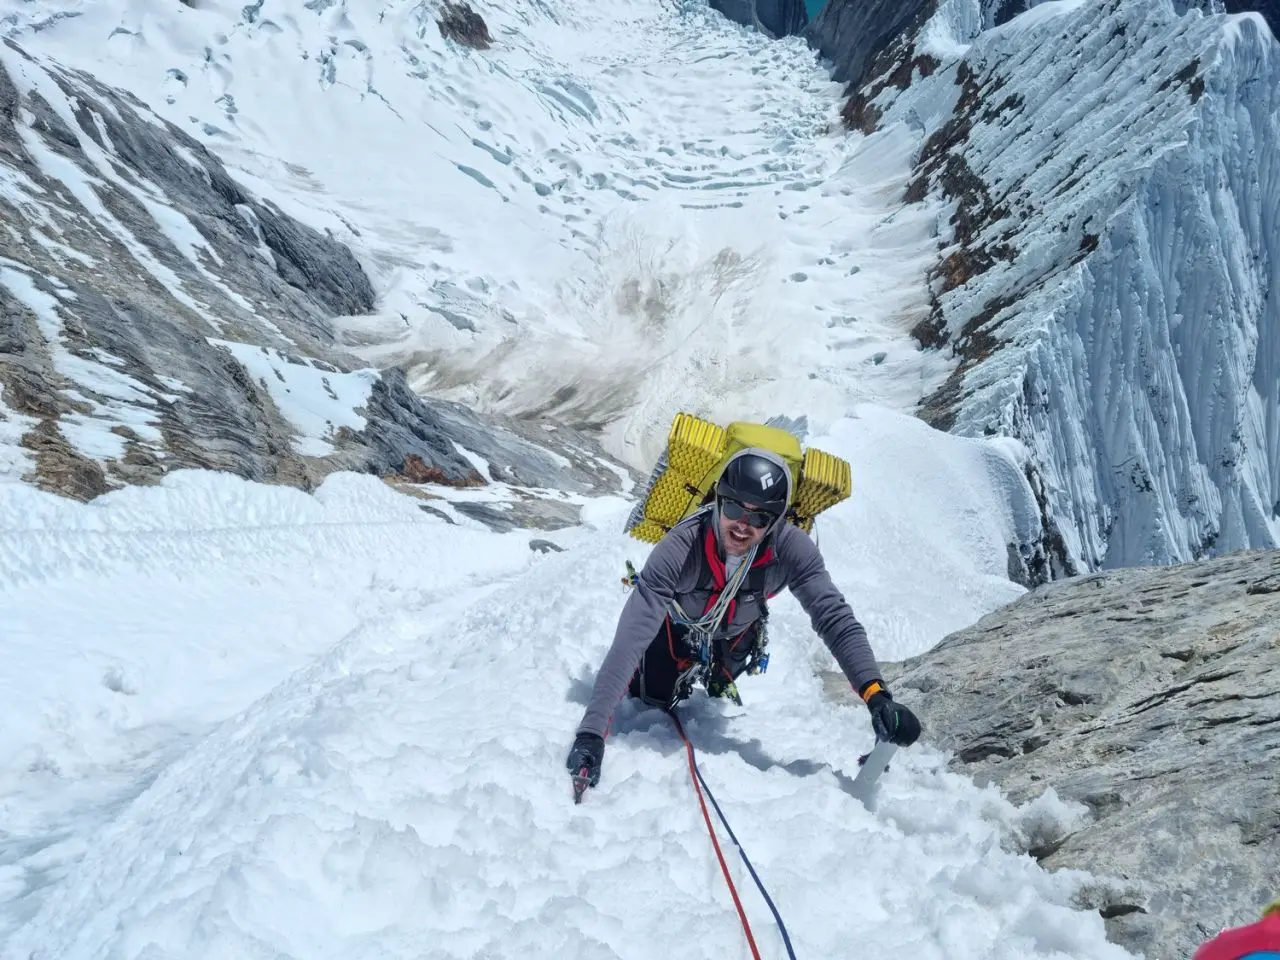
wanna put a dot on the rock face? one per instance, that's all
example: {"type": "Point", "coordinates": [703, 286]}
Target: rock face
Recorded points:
{"type": "Point", "coordinates": [1152, 696]}
{"type": "Point", "coordinates": [461, 24]}
{"type": "Point", "coordinates": [776, 18]}
{"type": "Point", "coordinates": [1108, 272]}
{"type": "Point", "coordinates": [154, 315]}
{"type": "Point", "coordinates": [851, 33]}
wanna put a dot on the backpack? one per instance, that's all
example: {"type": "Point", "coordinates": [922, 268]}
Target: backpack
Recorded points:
{"type": "Point", "coordinates": [697, 451]}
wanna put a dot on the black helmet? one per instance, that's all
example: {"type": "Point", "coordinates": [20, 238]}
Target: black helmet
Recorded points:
{"type": "Point", "coordinates": [756, 478]}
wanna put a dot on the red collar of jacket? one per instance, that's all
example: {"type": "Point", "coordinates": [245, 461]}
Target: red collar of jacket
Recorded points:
{"type": "Point", "coordinates": [719, 572]}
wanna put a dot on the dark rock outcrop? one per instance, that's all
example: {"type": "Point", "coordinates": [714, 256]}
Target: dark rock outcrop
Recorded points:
{"type": "Point", "coordinates": [853, 33]}
{"type": "Point", "coordinates": [1002, 11]}
{"type": "Point", "coordinates": [459, 23]}
{"type": "Point", "coordinates": [1151, 696]}
{"type": "Point", "coordinates": [404, 427]}
{"type": "Point", "coordinates": [775, 18]}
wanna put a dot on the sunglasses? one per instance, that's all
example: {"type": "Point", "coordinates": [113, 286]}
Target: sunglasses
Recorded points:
{"type": "Point", "coordinates": [736, 510]}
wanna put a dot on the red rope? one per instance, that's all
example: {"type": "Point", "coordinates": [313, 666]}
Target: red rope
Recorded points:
{"type": "Point", "coordinates": [724, 867]}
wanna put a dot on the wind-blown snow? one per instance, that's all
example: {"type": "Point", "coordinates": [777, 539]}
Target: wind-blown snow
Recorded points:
{"type": "Point", "coordinates": [292, 726]}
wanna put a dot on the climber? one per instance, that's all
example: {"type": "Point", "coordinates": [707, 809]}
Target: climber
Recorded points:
{"type": "Point", "coordinates": [1258, 941]}
{"type": "Point", "coordinates": [699, 608]}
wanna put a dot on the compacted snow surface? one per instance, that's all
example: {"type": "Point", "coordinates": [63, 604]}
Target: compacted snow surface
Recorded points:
{"type": "Point", "coordinates": [247, 722]}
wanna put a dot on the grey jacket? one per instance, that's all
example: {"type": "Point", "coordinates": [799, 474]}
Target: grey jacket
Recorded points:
{"type": "Point", "coordinates": [674, 570]}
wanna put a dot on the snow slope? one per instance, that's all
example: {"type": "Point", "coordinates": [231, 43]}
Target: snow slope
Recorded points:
{"type": "Point", "coordinates": [284, 726]}
{"type": "Point", "coordinates": [275, 725]}
{"type": "Point", "coordinates": [1109, 274]}
{"type": "Point", "coordinates": [647, 206]}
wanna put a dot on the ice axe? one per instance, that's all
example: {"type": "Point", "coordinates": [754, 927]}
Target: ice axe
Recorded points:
{"type": "Point", "coordinates": [872, 766]}
{"type": "Point", "coordinates": [581, 780]}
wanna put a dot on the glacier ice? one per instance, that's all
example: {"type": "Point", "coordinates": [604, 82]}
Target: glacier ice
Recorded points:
{"type": "Point", "coordinates": [1108, 281]}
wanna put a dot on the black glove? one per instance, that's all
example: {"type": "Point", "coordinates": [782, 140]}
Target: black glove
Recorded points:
{"type": "Point", "coordinates": [587, 753]}
{"type": "Point", "coordinates": [892, 721]}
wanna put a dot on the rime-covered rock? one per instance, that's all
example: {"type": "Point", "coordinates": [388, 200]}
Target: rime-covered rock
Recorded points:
{"type": "Point", "coordinates": [1107, 175]}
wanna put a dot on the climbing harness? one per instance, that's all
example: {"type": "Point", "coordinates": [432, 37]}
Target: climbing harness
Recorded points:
{"type": "Point", "coordinates": [715, 661]}
{"type": "Point", "coordinates": [700, 787]}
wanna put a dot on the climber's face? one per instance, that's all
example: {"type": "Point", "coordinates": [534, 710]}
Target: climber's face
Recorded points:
{"type": "Point", "coordinates": [742, 525]}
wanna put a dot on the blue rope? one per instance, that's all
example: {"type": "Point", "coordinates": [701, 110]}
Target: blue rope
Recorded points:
{"type": "Point", "coordinates": [786, 938]}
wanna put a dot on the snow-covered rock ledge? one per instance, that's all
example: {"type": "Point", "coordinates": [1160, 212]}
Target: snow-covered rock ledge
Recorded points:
{"type": "Point", "coordinates": [1108, 175]}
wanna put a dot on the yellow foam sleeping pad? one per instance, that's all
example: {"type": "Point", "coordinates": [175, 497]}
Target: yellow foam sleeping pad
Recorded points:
{"type": "Point", "coordinates": [697, 452]}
